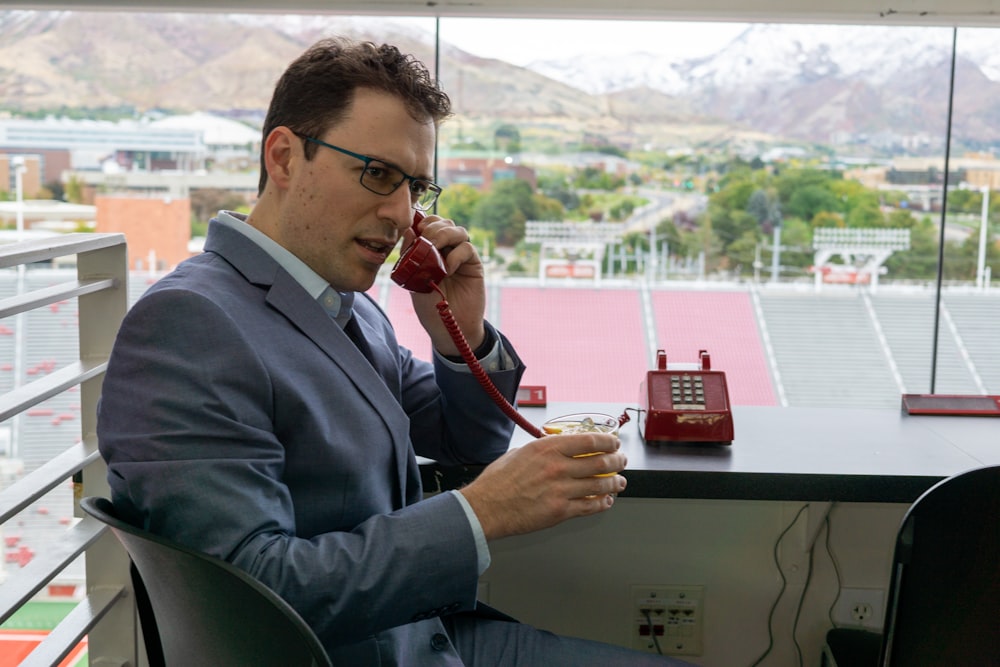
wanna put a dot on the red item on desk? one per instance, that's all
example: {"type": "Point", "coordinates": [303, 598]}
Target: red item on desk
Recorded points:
{"type": "Point", "coordinates": [970, 405]}
{"type": "Point", "coordinates": [531, 396]}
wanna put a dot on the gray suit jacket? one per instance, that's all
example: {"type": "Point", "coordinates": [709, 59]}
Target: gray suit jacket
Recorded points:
{"type": "Point", "coordinates": [239, 419]}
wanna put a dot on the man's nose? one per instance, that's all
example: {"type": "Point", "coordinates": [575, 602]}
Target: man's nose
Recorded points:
{"type": "Point", "coordinates": [398, 208]}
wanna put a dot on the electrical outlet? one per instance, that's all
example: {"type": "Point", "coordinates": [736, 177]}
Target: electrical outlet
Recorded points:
{"type": "Point", "coordinates": [668, 619]}
{"type": "Point", "coordinates": [860, 607]}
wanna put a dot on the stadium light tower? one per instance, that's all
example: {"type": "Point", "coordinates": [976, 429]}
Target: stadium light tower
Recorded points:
{"type": "Point", "coordinates": [981, 282]}
{"type": "Point", "coordinates": [17, 162]}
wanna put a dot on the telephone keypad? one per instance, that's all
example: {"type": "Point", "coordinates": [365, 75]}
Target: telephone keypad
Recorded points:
{"type": "Point", "coordinates": [687, 392]}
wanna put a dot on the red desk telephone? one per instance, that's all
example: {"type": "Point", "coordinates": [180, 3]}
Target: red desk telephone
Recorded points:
{"type": "Point", "coordinates": [685, 403]}
{"type": "Point", "coordinates": [419, 269]}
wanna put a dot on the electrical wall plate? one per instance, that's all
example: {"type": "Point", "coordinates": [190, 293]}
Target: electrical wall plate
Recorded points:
{"type": "Point", "coordinates": [668, 619]}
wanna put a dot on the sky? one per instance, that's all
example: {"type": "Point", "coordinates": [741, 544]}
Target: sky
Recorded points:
{"type": "Point", "coordinates": [521, 41]}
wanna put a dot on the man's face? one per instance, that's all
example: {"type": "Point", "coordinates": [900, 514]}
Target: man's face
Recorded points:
{"type": "Point", "coordinates": [329, 220]}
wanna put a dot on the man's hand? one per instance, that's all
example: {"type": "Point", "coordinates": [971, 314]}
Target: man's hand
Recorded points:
{"type": "Point", "coordinates": [546, 482]}
{"type": "Point", "coordinates": [464, 288]}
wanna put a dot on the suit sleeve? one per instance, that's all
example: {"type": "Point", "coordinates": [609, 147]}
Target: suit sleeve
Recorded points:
{"type": "Point", "coordinates": [187, 426]}
{"type": "Point", "coordinates": [459, 423]}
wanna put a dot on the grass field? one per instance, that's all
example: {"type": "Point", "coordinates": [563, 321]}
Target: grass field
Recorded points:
{"type": "Point", "coordinates": [28, 627]}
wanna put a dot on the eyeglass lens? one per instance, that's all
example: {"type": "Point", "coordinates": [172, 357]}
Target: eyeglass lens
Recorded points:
{"type": "Point", "coordinates": [383, 179]}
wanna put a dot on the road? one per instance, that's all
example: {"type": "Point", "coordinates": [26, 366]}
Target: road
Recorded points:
{"type": "Point", "coordinates": [663, 205]}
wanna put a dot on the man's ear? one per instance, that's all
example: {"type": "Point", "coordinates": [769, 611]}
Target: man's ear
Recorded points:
{"type": "Point", "coordinates": [280, 148]}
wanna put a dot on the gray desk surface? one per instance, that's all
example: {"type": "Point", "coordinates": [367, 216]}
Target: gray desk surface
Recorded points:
{"type": "Point", "coordinates": [848, 455]}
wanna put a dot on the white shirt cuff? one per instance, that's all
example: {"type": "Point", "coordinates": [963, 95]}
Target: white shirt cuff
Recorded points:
{"type": "Point", "coordinates": [482, 549]}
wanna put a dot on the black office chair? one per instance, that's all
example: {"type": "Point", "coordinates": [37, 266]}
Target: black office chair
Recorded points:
{"type": "Point", "coordinates": [200, 611]}
{"type": "Point", "coordinates": [944, 592]}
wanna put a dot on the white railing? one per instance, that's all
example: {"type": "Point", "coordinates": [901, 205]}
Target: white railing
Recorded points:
{"type": "Point", "coordinates": [105, 615]}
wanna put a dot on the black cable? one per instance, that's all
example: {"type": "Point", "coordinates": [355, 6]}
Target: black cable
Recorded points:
{"type": "Point", "coordinates": [781, 592]}
{"type": "Point", "coordinates": [836, 572]}
{"type": "Point", "coordinates": [798, 610]}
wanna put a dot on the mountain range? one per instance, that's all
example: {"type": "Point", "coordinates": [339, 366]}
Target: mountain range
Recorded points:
{"type": "Point", "coordinates": [820, 84]}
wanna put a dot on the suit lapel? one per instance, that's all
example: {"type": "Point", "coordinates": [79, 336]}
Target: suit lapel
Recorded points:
{"type": "Point", "coordinates": [377, 382]}
{"type": "Point", "coordinates": [287, 297]}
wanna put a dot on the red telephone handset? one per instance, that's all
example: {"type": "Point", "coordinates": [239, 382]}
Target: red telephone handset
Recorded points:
{"type": "Point", "coordinates": [419, 269]}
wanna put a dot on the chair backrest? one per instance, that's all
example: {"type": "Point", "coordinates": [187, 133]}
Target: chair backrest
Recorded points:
{"type": "Point", "coordinates": [944, 595]}
{"type": "Point", "coordinates": [208, 612]}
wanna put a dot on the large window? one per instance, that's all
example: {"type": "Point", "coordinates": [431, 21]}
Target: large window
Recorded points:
{"type": "Point", "coordinates": [778, 191]}
{"type": "Point", "coordinates": [773, 194]}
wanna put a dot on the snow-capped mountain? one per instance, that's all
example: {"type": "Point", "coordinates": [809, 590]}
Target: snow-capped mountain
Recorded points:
{"type": "Point", "coordinates": [826, 84]}
{"type": "Point", "coordinates": [768, 54]}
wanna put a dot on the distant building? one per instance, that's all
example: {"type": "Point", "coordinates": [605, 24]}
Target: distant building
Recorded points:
{"type": "Point", "coordinates": [157, 229]}
{"type": "Point", "coordinates": [922, 178]}
{"type": "Point", "coordinates": [612, 165]}
{"type": "Point", "coordinates": [230, 145]}
{"type": "Point", "coordinates": [31, 179]}
{"type": "Point", "coordinates": [96, 145]}
{"type": "Point", "coordinates": [480, 172]}
{"type": "Point", "coordinates": [975, 170]}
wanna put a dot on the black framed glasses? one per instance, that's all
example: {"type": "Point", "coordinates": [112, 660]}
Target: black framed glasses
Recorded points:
{"type": "Point", "coordinates": [384, 178]}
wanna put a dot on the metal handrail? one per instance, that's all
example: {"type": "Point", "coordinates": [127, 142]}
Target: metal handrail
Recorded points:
{"type": "Point", "coordinates": [106, 615]}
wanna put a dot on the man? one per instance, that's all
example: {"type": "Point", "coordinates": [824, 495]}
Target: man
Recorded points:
{"type": "Point", "coordinates": [258, 407]}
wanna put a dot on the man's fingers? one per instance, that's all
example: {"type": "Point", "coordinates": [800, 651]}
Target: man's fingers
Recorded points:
{"type": "Point", "coordinates": [578, 444]}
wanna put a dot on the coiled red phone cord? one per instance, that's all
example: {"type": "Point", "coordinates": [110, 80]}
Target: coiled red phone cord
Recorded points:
{"type": "Point", "coordinates": [477, 368]}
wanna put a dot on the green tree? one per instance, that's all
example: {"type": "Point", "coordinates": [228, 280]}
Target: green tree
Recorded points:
{"type": "Point", "coordinates": [732, 224]}
{"type": "Point", "coordinates": [57, 189]}
{"type": "Point", "coordinates": [827, 219]}
{"type": "Point", "coordinates": [592, 178]}
{"type": "Point", "coordinates": [735, 190]}
{"type": "Point", "coordinates": [622, 209]}
{"type": "Point", "coordinates": [796, 237]}
{"type": "Point", "coordinates": [965, 201]}
{"type": "Point", "coordinates": [863, 211]}
{"type": "Point", "coordinates": [458, 202]}
{"type": "Point", "coordinates": [765, 208]}
{"type": "Point", "coordinates": [900, 219]}
{"type": "Point", "coordinates": [742, 252]}
{"type": "Point", "coordinates": [507, 138]}
{"type": "Point", "coordinates": [791, 181]}
{"type": "Point", "coordinates": [505, 209]}
{"type": "Point", "coordinates": [547, 208]}
{"type": "Point", "coordinates": [920, 261]}
{"type": "Point", "coordinates": [74, 190]}
{"type": "Point", "coordinates": [810, 200]}
{"type": "Point", "coordinates": [206, 202]}
{"type": "Point", "coordinates": [558, 187]}
{"type": "Point", "coordinates": [668, 231]}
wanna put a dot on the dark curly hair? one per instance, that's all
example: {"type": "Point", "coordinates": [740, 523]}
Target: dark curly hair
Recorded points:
{"type": "Point", "coordinates": [316, 89]}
